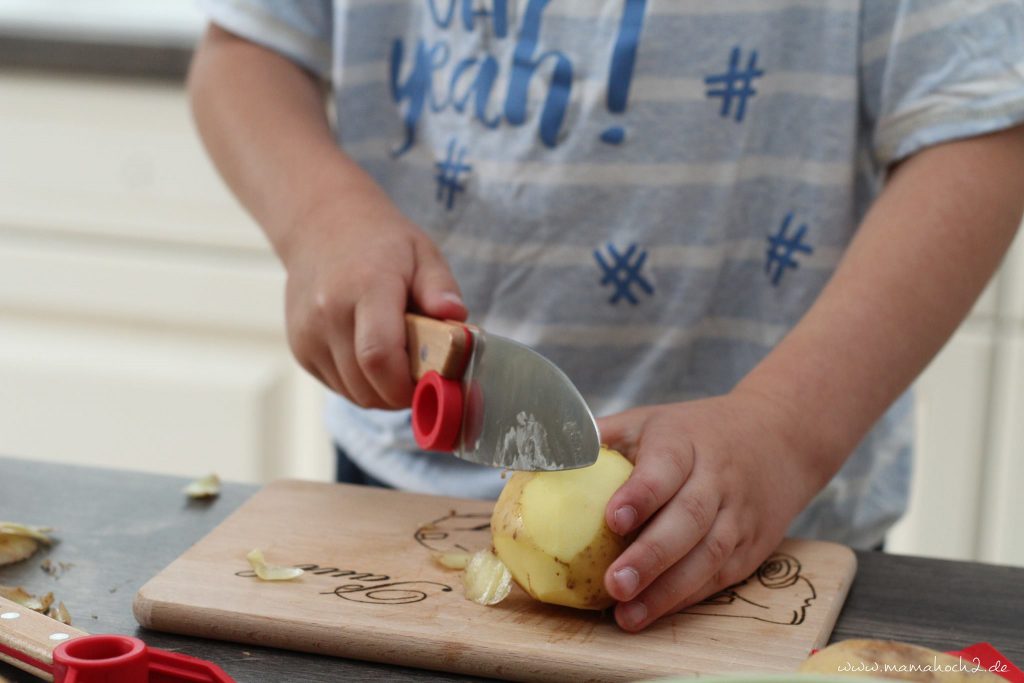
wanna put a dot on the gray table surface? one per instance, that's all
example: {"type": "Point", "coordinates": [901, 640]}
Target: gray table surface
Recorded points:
{"type": "Point", "coordinates": [119, 529]}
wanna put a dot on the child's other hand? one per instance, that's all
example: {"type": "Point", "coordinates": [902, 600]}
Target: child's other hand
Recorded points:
{"type": "Point", "coordinates": [715, 485]}
{"type": "Point", "coordinates": [353, 271]}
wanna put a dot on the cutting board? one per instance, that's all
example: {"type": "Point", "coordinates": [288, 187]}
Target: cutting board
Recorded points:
{"type": "Point", "coordinates": [372, 591]}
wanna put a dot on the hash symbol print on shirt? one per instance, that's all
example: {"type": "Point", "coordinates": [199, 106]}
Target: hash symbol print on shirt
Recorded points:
{"type": "Point", "coordinates": [783, 248]}
{"type": "Point", "coordinates": [735, 85]}
{"type": "Point", "coordinates": [622, 272]}
{"type": "Point", "coordinates": [450, 172]}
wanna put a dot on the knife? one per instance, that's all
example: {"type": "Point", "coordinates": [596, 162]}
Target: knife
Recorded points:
{"type": "Point", "coordinates": [494, 401]}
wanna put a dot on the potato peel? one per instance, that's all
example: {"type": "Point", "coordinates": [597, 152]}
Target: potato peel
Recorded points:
{"type": "Point", "coordinates": [207, 487]}
{"type": "Point", "coordinates": [22, 597]}
{"type": "Point", "coordinates": [452, 560]}
{"type": "Point", "coordinates": [20, 541]}
{"type": "Point", "coordinates": [55, 569]}
{"type": "Point", "coordinates": [487, 580]}
{"type": "Point", "coordinates": [268, 572]}
{"type": "Point", "coordinates": [39, 533]}
{"type": "Point", "coordinates": [60, 613]}
{"type": "Point", "coordinates": [16, 548]}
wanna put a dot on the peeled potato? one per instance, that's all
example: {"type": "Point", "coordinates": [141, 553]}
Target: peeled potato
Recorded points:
{"type": "Point", "coordinates": [549, 530]}
{"type": "Point", "coordinates": [896, 661]}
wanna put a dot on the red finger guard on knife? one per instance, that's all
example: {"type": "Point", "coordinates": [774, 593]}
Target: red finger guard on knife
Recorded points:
{"type": "Point", "coordinates": [437, 412]}
{"type": "Point", "coordinates": [438, 402]}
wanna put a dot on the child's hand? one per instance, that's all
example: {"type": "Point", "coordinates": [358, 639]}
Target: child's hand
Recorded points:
{"type": "Point", "coordinates": [717, 483]}
{"type": "Point", "coordinates": [353, 271]}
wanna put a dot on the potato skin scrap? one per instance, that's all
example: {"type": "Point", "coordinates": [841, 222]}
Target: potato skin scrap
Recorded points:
{"type": "Point", "coordinates": [16, 548]}
{"type": "Point", "coordinates": [486, 580]}
{"type": "Point", "coordinates": [206, 487]}
{"type": "Point", "coordinates": [20, 541]}
{"type": "Point", "coordinates": [39, 533]}
{"type": "Point", "coordinates": [452, 560]}
{"type": "Point", "coordinates": [266, 572]}
{"type": "Point", "coordinates": [60, 613]}
{"type": "Point", "coordinates": [20, 596]}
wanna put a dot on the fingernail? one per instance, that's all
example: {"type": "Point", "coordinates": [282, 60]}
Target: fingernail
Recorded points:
{"type": "Point", "coordinates": [452, 298]}
{"type": "Point", "coordinates": [626, 580]}
{"type": "Point", "coordinates": [625, 518]}
{"type": "Point", "coordinates": [633, 613]}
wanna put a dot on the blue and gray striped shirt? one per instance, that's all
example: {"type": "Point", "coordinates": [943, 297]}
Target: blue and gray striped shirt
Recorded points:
{"type": "Point", "coordinates": [651, 193]}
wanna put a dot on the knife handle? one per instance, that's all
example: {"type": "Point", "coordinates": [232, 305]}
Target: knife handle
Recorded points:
{"type": "Point", "coordinates": [27, 638]}
{"type": "Point", "coordinates": [438, 345]}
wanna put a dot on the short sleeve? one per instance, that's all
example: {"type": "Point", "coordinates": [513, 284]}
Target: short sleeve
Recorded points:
{"type": "Point", "coordinates": [934, 71]}
{"type": "Point", "coordinates": [298, 29]}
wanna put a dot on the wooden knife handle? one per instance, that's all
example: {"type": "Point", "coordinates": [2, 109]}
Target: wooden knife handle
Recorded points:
{"type": "Point", "coordinates": [437, 345]}
{"type": "Point", "coordinates": [32, 636]}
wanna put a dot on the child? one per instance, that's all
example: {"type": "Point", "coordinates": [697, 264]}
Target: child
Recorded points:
{"type": "Point", "coordinates": [756, 220]}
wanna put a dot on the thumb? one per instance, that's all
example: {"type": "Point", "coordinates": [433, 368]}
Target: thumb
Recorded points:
{"type": "Point", "coordinates": [434, 290]}
{"type": "Point", "coordinates": [621, 431]}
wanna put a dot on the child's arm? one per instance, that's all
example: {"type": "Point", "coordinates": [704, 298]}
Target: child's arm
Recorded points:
{"type": "Point", "coordinates": [353, 260]}
{"type": "Point", "coordinates": [721, 479]}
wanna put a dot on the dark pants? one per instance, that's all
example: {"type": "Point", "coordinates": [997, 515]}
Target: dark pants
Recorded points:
{"type": "Point", "coordinates": [350, 473]}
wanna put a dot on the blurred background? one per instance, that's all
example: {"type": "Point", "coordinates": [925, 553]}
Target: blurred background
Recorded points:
{"type": "Point", "coordinates": [141, 311]}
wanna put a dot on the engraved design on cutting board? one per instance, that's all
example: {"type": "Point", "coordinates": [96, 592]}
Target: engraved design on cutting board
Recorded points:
{"type": "Point", "coordinates": [777, 593]}
{"type": "Point", "coordinates": [371, 588]}
{"type": "Point", "coordinates": [457, 531]}
{"type": "Point", "coordinates": [396, 593]}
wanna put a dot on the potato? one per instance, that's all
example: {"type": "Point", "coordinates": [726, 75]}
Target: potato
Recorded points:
{"type": "Point", "coordinates": [549, 530]}
{"type": "Point", "coordinates": [893, 660]}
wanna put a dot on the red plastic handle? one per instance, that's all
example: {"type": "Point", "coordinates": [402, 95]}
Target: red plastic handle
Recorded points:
{"type": "Point", "coordinates": [437, 412]}
{"type": "Point", "coordinates": [123, 659]}
{"type": "Point", "coordinates": [117, 659]}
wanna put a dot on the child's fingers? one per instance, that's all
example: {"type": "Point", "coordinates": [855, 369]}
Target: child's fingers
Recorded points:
{"type": "Point", "coordinates": [357, 387]}
{"type": "Point", "coordinates": [620, 431]}
{"type": "Point", "coordinates": [434, 289]}
{"type": "Point", "coordinates": [732, 572]}
{"type": "Point", "coordinates": [314, 356]}
{"type": "Point", "coordinates": [670, 534]}
{"type": "Point", "coordinates": [702, 566]}
{"type": "Point", "coordinates": [662, 463]}
{"type": "Point", "coordinates": [322, 367]}
{"type": "Point", "coordinates": [673, 532]}
{"type": "Point", "coordinates": [379, 342]}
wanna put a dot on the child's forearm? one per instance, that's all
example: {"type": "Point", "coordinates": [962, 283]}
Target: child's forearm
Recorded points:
{"type": "Point", "coordinates": [264, 123]}
{"type": "Point", "coordinates": [354, 262]}
{"type": "Point", "coordinates": [920, 259]}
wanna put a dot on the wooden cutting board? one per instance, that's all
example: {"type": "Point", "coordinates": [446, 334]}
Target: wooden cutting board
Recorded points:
{"type": "Point", "coordinates": [372, 591]}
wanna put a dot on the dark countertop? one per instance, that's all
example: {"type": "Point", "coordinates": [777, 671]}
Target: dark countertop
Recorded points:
{"type": "Point", "coordinates": [119, 529]}
{"type": "Point", "coordinates": [94, 56]}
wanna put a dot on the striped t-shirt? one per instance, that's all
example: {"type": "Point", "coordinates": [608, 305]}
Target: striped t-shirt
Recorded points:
{"type": "Point", "coordinates": [650, 193]}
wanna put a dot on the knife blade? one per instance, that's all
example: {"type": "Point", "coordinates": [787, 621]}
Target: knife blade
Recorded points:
{"type": "Point", "coordinates": [499, 402]}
